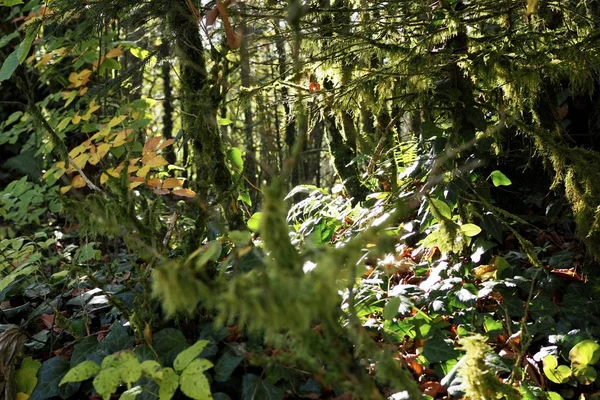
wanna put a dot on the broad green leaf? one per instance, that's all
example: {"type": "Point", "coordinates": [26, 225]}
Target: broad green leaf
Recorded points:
{"type": "Point", "coordinates": [152, 369]}
{"type": "Point", "coordinates": [49, 376]}
{"type": "Point", "coordinates": [235, 156]}
{"type": "Point", "coordinates": [10, 3]}
{"type": "Point", "coordinates": [168, 384]}
{"type": "Point", "coordinates": [81, 372]}
{"type": "Point", "coordinates": [554, 396]}
{"type": "Point", "coordinates": [118, 339]}
{"type": "Point", "coordinates": [168, 343]}
{"type": "Point", "coordinates": [225, 366]}
{"type": "Point", "coordinates": [254, 222]}
{"type": "Point", "coordinates": [441, 207]}
{"type": "Point", "coordinates": [554, 372]}
{"type": "Point", "coordinates": [193, 382]}
{"type": "Point", "coordinates": [439, 349]}
{"type": "Point", "coordinates": [26, 376]}
{"type": "Point", "coordinates": [391, 308]}
{"type": "Point", "coordinates": [83, 349]}
{"type": "Point", "coordinates": [586, 352]}
{"type": "Point", "coordinates": [9, 66]}
{"type": "Point", "coordinates": [184, 358]}
{"type": "Point", "coordinates": [499, 179]}
{"type": "Point", "coordinates": [106, 382]}
{"type": "Point", "coordinates": [109, 63]}
{"type": "Point", "coordinates": [25, 46]}
{"type": "Point", "coordinates": [224, 121]}
{"type": "Point", "coordinates": [586, 375]}
{"type": "Point", "coordinates": [7, 38]}
{"type": "Point", "coordinates": [139, 53]}
{"type": "Point", "coordinates": [470, 230]}
{"type": "Point", "coordinates": [132, 393]}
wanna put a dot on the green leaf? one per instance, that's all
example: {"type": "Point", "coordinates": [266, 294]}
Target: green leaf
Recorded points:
{"type": "Point", "coordinates": [50, 374]}
{"type": "Point", "coordinates": [470, 230]}
{"type": "Point", "coordinates": [438, 348]}
{"type": "Point", "coordinates": [225, 366]}
{"type": "Point", "coordinates": [441, 207]}
{"type": "Point", "coordinates": [118, 339]}
{"type": "Point", "coordinates": [81, 372]}
{"type": "Point", "coordinates": [139, 53]}
{"type": "Point", "coordinates": [554, 396]}
{"type": "Point", "coordinates": [10, 3]}
{"type": "Point", "coordinates": [586, 352]}
{"type": "Point", "coordinates": [193, 382]}
{"type": "Point", "coordinates": [184, 358]}
{"type": "Point", "coordinates": [25, 46]}
{"type": "Point", "coordinates": [168, 343]}
{"type": "Point", "coordinates": [254, 222]}
{"type": "Point", "coordinates": [224, 121]}
{"type": "Point", "coordinates": [7, 38]}
{"type": "Point", "coordinates": [132, 393]}
{"type": "Point", "coordinates": [26, 376]}
{"type": "Point", "coordinates": [152, 369]}
{"type": "Point", "coordinates": [554, 372]}
{"type": "Point", "coordinates": [256, 388]}
{"type": "Point", "coordinates": [586, 375]}
{"type": "Point", "coordinates": [391, 308]}
{"type": "Point", "coordinates": [107, 382]}
{"type": "Point", "coordinates": [235, 156]}
{"type": "Point", "coordinates": [83, 349]}
{"type": "Point", "coordinates": [9, 66]}
{"type": "Point", "coordinates": [168, 384]}
{"type": "Point", "coordinates": [109, 63]}
{"type": "Point", "coordinates": [130, 369]}
{"type": "Point", "coordinates": [499, 179]}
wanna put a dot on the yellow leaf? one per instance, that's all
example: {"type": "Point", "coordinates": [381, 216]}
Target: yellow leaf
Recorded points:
{"type": "Point", "coordinates": [82, 91]}
{"type": "Point", "coordinates": [102, 149]}
{"type": "Point", "coordinates": [116, 121]}
{"type": "Point", "coordinates": [184, 192]}
{"type": "Point", "coordinates": [103, 178]}
{"type": "Point", "coordinates": [171, 183]}
{"type": "Point", "coordinates": [115, 172]}
{"type": "Point", "coordinates": [116, 52]}
{"type": "Point", "coordinates": [81, 160]}
{"type": "Point", "coordinates": [22, 396]}
{"type": "Point", "coordinates": [135, 181]}
{"type": "Point", "coordinates": [77, 150]}
{"type": "Point", "coordinates": [132, 168]}
{"type": "Point", "coordinates": [76, 119]}
{"type": "Point", "coordinates": [154, 161]}
{"type": "Point", "coordinates": [165, 144]}
{"type": "Point", "coordinates": [143, 171]}
{"type": "Point", "coordinates": [154, 183]}
{"type": "Point", "coordinates": [121, 137]}
{"type": "Point", "coordinates": [151, 144]}
{"type": "Point", "coordinates": [60, 164]}
{"type": "Point", "coordinates": [65, 189]}
{"type": "Point", "coordinates": [78, 181]}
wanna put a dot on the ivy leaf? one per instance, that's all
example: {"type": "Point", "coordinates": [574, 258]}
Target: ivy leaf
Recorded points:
{"type": "Point", "coordinates": [438, 348]}
{"type": "Point", "coordinates": [193, 382]}
{"type": "Point", "coordinates": [81, 372]}
{"type": "Point", "coordinates": [152, 369]}
{"type": "Point", "coordinates": [554, 372]}
{"type": "Point", "coordinates": [132, 393]}
{"type": "Point", "coordinates": [83, 349]}
{"type": "Point", "coordinates": [225, 366]}
{"type": "Point", "coordinates": [235, 156]}
{"type": "Point", "coordinates": [26, 376]}
{"type": "Point", "coordinates": [107, 382]}
{"type": "Point", "coordinates": [118, 339]}
{"type": "Point", "coordinates": [184, 358]}
{"type": "Point", "coordinates": [586, 352]}
{"type": "Point", "coordinates": [499, 179]}
{"type": "Point", "coordinates": [254, 222]}
{"type": "Point", "coordinates": [168, 344]}
{"type": "Point", "coordinates": [168, 384]}
{"type": "Point", "coordinates": [256, 388]}
{"type": "Point", "coordinates": [49, 375]}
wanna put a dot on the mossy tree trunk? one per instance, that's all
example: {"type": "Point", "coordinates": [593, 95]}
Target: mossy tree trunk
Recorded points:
{"type": "Point", "coordinates": [199, 103]}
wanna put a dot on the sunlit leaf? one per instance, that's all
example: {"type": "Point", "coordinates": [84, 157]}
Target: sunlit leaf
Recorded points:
{"type": "Point", "coordinates": [184, 193]}
{"type": "Point", "coordinates": [171, 183]}
{"type": "Point", "coordinates": [499, 179]}
{"type": "Point", "coordinates": [78, 182]}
